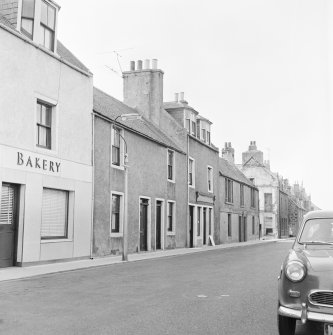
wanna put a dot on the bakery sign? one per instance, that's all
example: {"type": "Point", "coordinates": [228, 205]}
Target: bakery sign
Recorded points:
{"type": "Point", "coordinates": [35, 162]}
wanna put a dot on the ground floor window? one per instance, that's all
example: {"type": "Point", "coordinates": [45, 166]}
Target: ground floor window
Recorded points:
{"type": "Point", "coordinates": [229, 225]}
{"type": "Point", "coordinates": [171, 216]}
{"type": "Point", "coordinates": [54, 214]}
{"type": "Point", "coordinates": [253, 225]}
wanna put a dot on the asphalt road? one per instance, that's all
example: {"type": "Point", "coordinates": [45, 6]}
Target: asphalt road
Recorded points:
{"type": "Point", "coordinates": [230, 292]}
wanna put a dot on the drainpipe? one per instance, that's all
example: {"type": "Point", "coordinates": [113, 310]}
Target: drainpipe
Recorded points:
{"type": "Point", "coordinates": [92, 187]}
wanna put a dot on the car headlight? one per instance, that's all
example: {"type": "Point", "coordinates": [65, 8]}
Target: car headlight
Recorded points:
{"type": "Point", "coordinates": [295, 271]}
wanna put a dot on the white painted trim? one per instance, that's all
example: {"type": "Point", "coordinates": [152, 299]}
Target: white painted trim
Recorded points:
{"type": "Point", "coordinates": [19, 15]}
{"type": "Point", "coordinates": [121, 214]}
{"type": "Point", "coordinates": [162, 222]}
{"type": "Point", "coordinates": [193, 172]}
{"type": "Point", "coordinates": [174, 216]}
{"type": "Point", "coordinates": [121, 166]}
{"type": "Point", "coordinates": [148, 223]}
{"type": "Point", "coordinates": [212, 183]}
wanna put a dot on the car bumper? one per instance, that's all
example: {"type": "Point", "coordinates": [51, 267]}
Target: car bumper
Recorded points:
{"type": "Point", "coordinates": [304, 314]}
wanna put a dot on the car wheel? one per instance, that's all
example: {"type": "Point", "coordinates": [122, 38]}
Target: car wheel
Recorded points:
{"type": "Point", "coordinates": [286, 325]}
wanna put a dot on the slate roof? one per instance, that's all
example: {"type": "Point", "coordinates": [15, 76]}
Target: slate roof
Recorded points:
{"type": "Point", "coordinates": [231, 171]}
{"type": "Point", "coordinates": [62, 51]}
{"type": "Point", "coordinates": [110, 107]}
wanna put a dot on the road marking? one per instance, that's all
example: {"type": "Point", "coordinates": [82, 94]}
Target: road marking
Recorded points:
{"type": "Point", "coordinates": [201, 296]}
{"type": "Point", "coordinates": [224, 295]}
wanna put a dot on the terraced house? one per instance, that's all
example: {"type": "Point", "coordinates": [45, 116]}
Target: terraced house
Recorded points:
{"type": "Point", "coordinates": [45, 158]}
{"type": "Point", "coordinates": [239, 201]}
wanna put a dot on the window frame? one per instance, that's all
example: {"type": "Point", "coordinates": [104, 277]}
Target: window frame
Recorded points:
{"type": "Point", "coordinates": [171, 204]}
{"type": "Point", "coordinates": [115, 129]}
{"type": "Point", "coordinates": [39, 124]}
{"type": "Point", "coordinates": [241, 194]}
{"type": "Point", "coordinates": [192, 173]}
{"type": "Point", "coordinates": [229, 191]}
{"type": "Point", "coordinates": [229, 225]}
{"type": "Point", "coordinates": [121, 214]}
{"type": "Point", "coordinates": [171, 168]}
{"type": "Point", "coordinates": [22, 30]}
{"type": "Point", "coordinates": [45, 27]}
{"type": "Point", "coordinates": [253, 202]}
{"type": "Point", "coordinates": [210, 181]}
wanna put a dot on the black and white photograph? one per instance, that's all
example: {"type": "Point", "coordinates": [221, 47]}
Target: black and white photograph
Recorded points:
{"type": "Point", "coordinates": [166, 167]}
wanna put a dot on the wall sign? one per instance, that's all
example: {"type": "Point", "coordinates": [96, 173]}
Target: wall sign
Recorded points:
{"type": "Point", "coordinates": [38, 163]}
{"type": "Point", "coordinates": [209, 199]}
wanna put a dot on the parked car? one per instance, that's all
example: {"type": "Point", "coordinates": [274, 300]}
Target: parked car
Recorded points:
{"type": "Point", "coordinates": [305, 284]}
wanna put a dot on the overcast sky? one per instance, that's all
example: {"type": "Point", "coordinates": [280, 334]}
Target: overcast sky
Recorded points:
{"type": "Point", "coordinates": [258, 69]}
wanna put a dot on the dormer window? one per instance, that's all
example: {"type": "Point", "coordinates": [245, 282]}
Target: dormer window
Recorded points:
{"type": "Point", "coordinates": [47, 24]}
{"type": "Point", "coordinates": [27, 18]}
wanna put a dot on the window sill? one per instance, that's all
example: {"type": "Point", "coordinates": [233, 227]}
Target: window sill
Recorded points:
{"type": "Point", "coordinates": [191, 186]}
{"type": "Point", "coordinates": [118, 167]}
{"type": "Point", "coordinates": [171, 181]}
{"type": "Point", "coordinates": [116, 235]}
{"type": "Point", "coordinates": [56, 240]}
{"type": "Point", "coordinates": [229, 203]}
{"type": "Point", "coordinates": [171, 233]}
{"type": "Point", "coordinates": [210, 191]}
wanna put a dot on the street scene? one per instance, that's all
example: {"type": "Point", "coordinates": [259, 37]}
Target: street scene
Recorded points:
{"type": "Point", "coordinates": [157, 161]}
{"type": "Point", "coordinates": [231, 291]}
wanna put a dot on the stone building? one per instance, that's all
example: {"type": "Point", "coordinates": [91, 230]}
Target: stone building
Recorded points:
{"type": "Point", "coordinates": [45, 158]}
{"type": "Point", "coordinates": [239, 202]}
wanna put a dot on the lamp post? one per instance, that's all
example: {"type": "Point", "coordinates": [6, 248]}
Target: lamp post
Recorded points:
{"type": "Point", "coordinates": [126, 117]}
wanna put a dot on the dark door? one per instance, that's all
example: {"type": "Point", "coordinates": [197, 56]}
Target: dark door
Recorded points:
{"type": "Point", "coordinates": [8, 224]}
{"type": "Point", "coordinates": [240, 229]}
{"type": "Point", "coordinates": [143, 224]}
{"type": "Point", "coordinates": [158, 223]}
{"type": "Point", "coordinates": [245, 230]}
{"type": "Point", "coordinates": [191, 226]}
{"type": "Point", "coordinates": [204, 225]}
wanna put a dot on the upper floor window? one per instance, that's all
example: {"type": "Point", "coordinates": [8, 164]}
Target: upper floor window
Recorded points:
{"type": "Point", "coordinates": [193, 126]}
{"type": "Point", "coordinates": [203, 134]}
{"type": "Point", "coordinates": [116, 146]}
{"type": "Point", "coordinates": [253, 204]}
{"type": "Point", "coordinates": [229, 191]}
{"type": "Point", "coordinates": [191, 170]}
{"type": "Point", "coordinates": [241, 195]}
{"type": "Point", "coordinates": [44, 120]}
{"type": "Point", "coordinates": [27, 18]}
{"type": "Point", "coordinates": [208, 137]}
{"type": "Point", "coordinates": [210, 178]}
{"type": "Point", "coordinates": [268, 205]}
{"type": "Point", "coordinates": [198, 129]}
{"type": "Point", "coordinates": [171, 165]}
{"type": "Point", "coordinates": [188, 125]}
{"type": "Point", "coordinates": [47, 24]}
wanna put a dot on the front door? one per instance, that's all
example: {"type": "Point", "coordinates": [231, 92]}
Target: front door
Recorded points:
{"type": "Point", "coordinates": [240, 229]}
{"type": "Point", "coordinates": [191, 225]}
{"type": "Point", "coordinates": [204, 225]}
{"type": "Point", "coordinates": [245, 230]}
{"type": "Point", "coordinates": [158, 223]}
{"type": "Point", "coordinates": [143, 223]}
{"type": "Point", "coordinates": [8, 224]}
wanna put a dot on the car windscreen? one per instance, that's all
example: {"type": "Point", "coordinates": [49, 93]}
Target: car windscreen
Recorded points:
{"type": "Point", "coordinates": [317, 230]}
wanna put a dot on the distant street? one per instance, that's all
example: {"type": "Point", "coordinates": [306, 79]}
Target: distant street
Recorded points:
{"type": "Point", "coordinates": [229, 292]}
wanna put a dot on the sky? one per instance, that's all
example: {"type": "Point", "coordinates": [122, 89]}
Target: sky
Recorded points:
{"type": "Point", "coordinates": [260, 70]}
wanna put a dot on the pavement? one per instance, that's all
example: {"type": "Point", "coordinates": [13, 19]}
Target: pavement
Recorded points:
{"type": "Point", "coordinates": [16, 273]}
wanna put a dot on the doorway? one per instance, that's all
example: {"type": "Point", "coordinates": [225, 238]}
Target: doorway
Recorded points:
{"type": "Point", "coordinates": [158, 225]}
{"type": "Point", "coordinates": [143, 224]}
{"type": "Point", "coordinates": [8, 224]}
{"type": "Point", "coordinates": [191, 218]}
{"type": "Point", "coordinates": [204, 226]}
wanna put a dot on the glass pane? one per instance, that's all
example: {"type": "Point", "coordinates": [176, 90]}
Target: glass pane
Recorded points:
{"type": "Point", "coordinates": [48, 116]}
{"type": "Point", "coordinates": [51, 17]}
{"type": "Point", "coordinates": [43, 17]}
{"type": "Point", "coordinates": [38, 107]}
{"type": "Point", "coordinates": [27, 26]}
{"type": "Point", "coordinates": [116, 138]}
{"type": "Point", "coordinates": [115, 203]}
{"type": "Point", "coordinates": [28, 8]}
{"type": "Point", "coordinates": [43, 115]}
{"type": "Point", "coordinates": [42, 136]}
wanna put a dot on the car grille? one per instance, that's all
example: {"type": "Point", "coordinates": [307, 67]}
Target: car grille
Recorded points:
{"type": "Point", "coordinates": [324, 298]}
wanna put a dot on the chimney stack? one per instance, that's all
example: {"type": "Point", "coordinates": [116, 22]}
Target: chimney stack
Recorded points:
{"type": "Point", "coordinates": [176, 97]}
{"type": "Point", "coordinates": [253, 152]}
{"type": "Point", "coordinates": [143, 89]}
{"type": "Point", "coordinates": [181, 96]}
{"type": "Point", "coordinates": [228, 152]}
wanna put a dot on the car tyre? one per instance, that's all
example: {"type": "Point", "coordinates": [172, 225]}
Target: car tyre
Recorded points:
{"type": "Point", "coordinates": [286, 325]}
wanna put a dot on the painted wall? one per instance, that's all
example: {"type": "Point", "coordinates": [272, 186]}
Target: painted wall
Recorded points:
{"type": "Point", "coordinates": [28, 74]}
{"type": "Point", "coordinates": [147, 177]}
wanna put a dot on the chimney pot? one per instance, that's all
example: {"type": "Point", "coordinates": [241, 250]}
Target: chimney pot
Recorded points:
{"type": "Point", "coordinates": [226, 144]}
{"type": "Point", "coordinates": [139, 65]}
{"type": "Point", "coordinates": [176, 97]}
{"type": "Point", "coordinates": [132, 65]}
{"type": "Point", "coordinates": [229, 144]}
{"type": "Point", "coordinates": [154, 64]}
{"type": "Point", "coordinates": [181, 98]}
{"type": "Point", "coordinates": [147, 64]}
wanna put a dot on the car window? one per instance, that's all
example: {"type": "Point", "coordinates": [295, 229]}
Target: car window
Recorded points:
{"type": "Point", "coordinates": [317, 230]}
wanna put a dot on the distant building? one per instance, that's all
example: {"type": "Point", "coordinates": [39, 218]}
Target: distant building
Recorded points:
{"type": "Point", "coordinates": [239, 202]}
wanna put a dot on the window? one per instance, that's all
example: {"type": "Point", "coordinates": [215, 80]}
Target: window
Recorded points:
{"type": "Point", "coordinates": [268, 202]}
{"type": "Point", "coordinates": [188, 125]}
{"type": "Point", "coordinates": [198, 129]}
{"type": "Point", "coordinates": [44, 119]}
{"type": "Point", "coordinates": [241, 195]}
{"type": "Point", "coordinates": [193, 128]}
{"type": "Point", "coordinates": [47, 24]}
{"type": "Point", "coordinates": [253, 203]}
{"type": "Point", "coordinates": [228, 190]}
{"type": "Point", "coordinates": [171, 163]}
{"type": "Point", "coordinates": [210, 178]}
{"type": "Point", "coordinates": [253, 226]}
{"type": "Point", "coordinates": [199, 221]}
{"type": "Point", "coordinates": [116, 146]}
{"type": "Point", "coordinates": [203, 132]}
{"type": "Point", "coordinates": [208, 137]}
{"type": "Point", "coordinates": [229, 225]}
{"type": "Point", "coordinates": [115, 214]}
{"type": "Point", "coordinates": [54, 214]}
{"type": "Point", "coordinates": [27, 18]}
{"type": "Point", "coordinates": [191, 170]}
{"type": "Point", "coordinates": [171, 217]}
